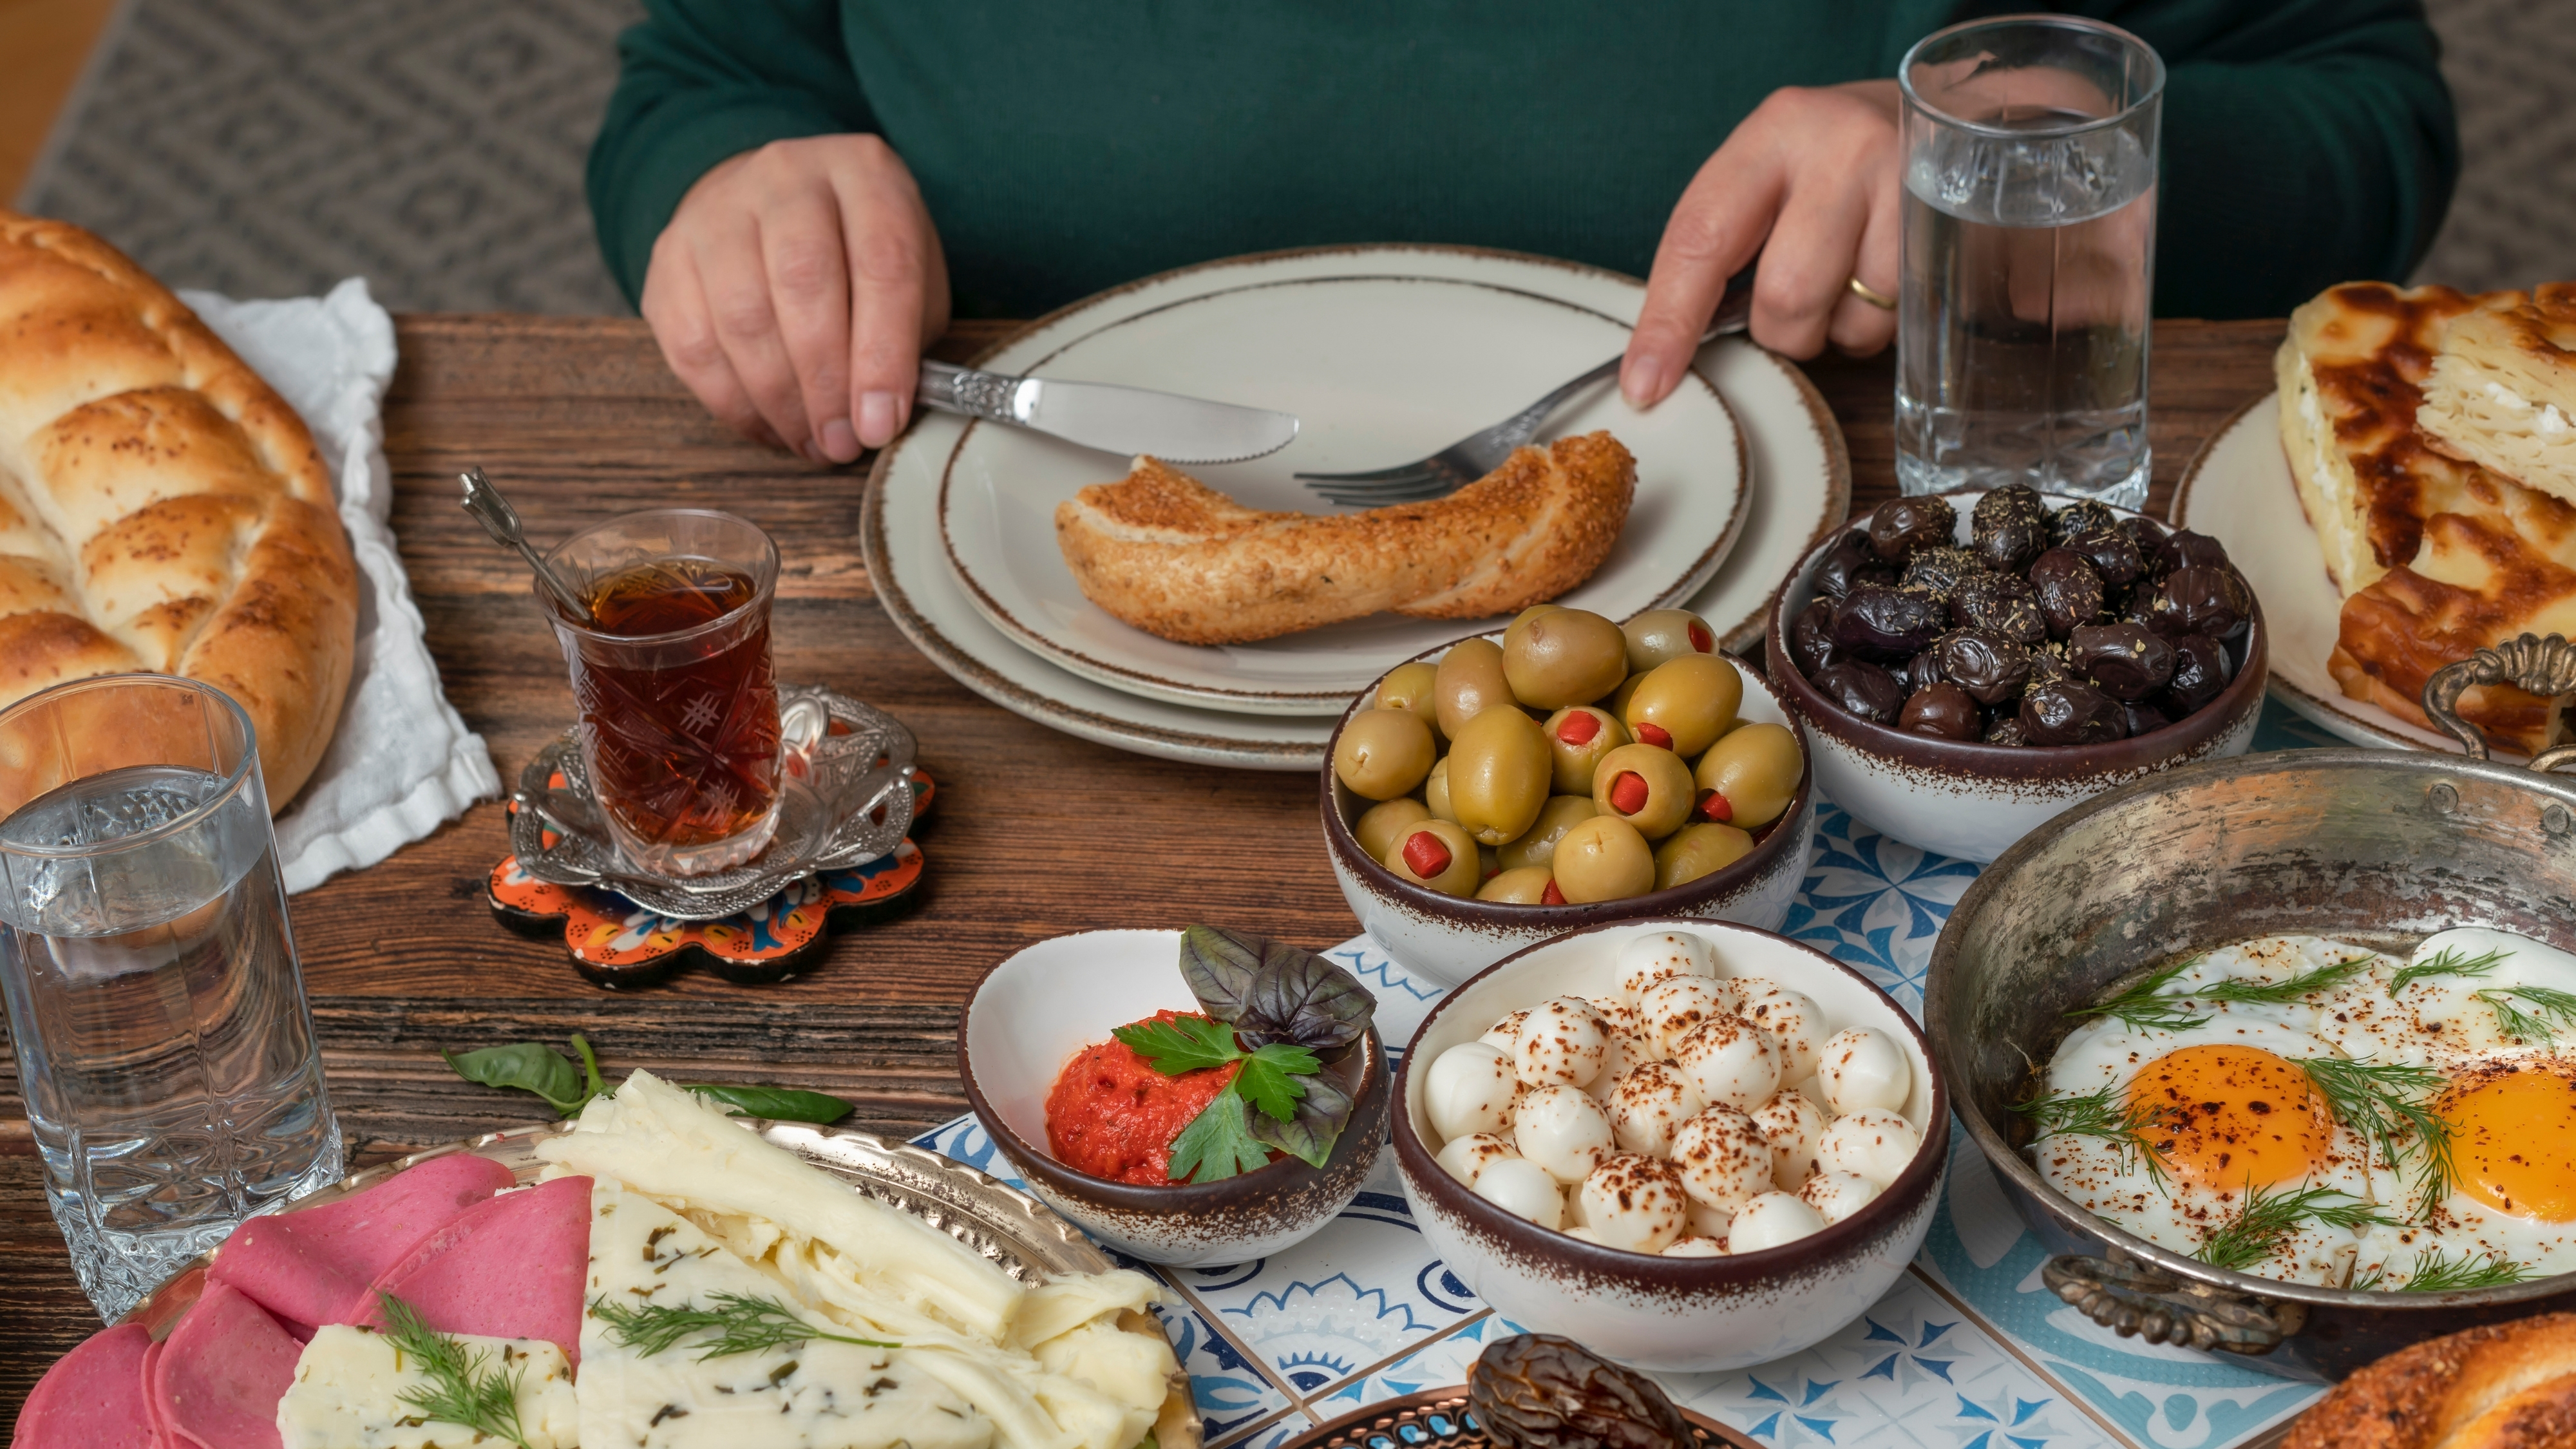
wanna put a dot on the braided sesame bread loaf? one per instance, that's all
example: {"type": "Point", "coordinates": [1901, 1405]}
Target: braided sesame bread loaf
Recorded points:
{"type": "Point", "coordinates": [2504, 1386]}
{"type": "Point", "coordinates": [161, 508]}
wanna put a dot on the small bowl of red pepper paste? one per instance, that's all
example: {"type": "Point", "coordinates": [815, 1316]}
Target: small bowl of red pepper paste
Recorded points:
{"type": "Point", "coordinates": [1089, 1123]}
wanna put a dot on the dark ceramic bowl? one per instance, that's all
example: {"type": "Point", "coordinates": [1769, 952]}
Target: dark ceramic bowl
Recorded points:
{"type": "Point", "coordinates": [1972, 800]}
{"type": "Point", "coordinates": [1450, 938]}
{"type": "Point", "coordinates": [1688, 1315]}
{"type": "Point", "coordinates": [2379, 847]}
{"type": "Point", "coordinates": [1040, 1007]}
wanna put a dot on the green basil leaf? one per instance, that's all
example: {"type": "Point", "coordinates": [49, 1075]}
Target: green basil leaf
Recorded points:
{"type": "Point", "coordinates": [1315, 1126]}
{"type": "Point", "coordinates": [779, 1104]}
{"type": "Point", "coordinates": [1301, 998]}
{"type": "Point", "coordinates": [1219, 966]}
{"type": "Point", "coordinates": [528, 1066]}
{"type": "Point", "coordinates": [1185, 1044]}
{"type": "Point", "coordinates": [1218, 1143]}
{"type": "Point", "coordinates": [1270, 1079]}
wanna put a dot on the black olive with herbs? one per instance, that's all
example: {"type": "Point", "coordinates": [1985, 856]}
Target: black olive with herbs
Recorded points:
{"type": "Point", "coordinates": [1542, 1391]}
{"type": "Point", "coordinates": [2006, 730]}
{"type": "Point", "coordinates": [2083, 516]}
{"type": "Point", "coordinates": [1942, 571]}
{"type": "Point", "coordinates": [1848, 563]}
{"type": "Point", "coordinates": [2184, 549]}
{"type": "Point", "coordinates": [2013, 503]}
{"type": "Point", "coordinates": [1992, 668]}
{"type": "Point", "coordinates": [2048, 665]}
{"type": "Point", "coordinates": [2146, 533]}
{"type": "Point", "coordinates": [2067, 712]}
{"type": "Point", "coordinates": [2113, 554]}
{"type": "Point", "coordinates": [2068, 589]}
{"type": "Point", "coordinates": [2010, 547]}
{"type": "Point", "coordinates": [1942, 709]}
{"type": "Point", "coordinates": [1901, 525]}
{"type": "Point", "coordinates": [1920, 672]}
{"type": "Point", "coordinates": [2201, 599]}
{"type": "Point", "coordinates": [1862, 689]}
{"type": "Point", "coordinates": [2143, 717]}
{"type": "Point", "coordinates": [2124, 661]}
{"type": "Point", "coordinates": [2201, 670]}
{"type": "Point", "coordinates": [2002, 603]}
{"type": "Point", "coordinates": [1875, 621]}
{"type": "Point", "coordinates": [1811, 636]}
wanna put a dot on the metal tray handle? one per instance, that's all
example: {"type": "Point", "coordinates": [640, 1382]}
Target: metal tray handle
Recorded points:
{"type": "Point", "coordinates": [2134, 1300]}
{"type": "Point", "coordinates": [2545, 667]}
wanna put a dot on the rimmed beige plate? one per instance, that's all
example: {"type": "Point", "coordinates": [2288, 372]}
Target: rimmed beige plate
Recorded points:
{"type": "Point", "coordinates": [1385, 354]}
{"type": "Point", "coordinates": [1799, 487]}
{"type": "Point", "coordinates": [2238, 490]}
{"type": "Point", "coordinates": [1018, 1233]}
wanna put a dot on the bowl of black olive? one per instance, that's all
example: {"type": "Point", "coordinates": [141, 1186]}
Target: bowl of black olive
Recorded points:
{"type": "Point", "coordinates": [1970, 664]}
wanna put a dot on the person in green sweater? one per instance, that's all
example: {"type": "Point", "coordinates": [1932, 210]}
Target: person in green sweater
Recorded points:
{"type": "Point", "coordinates": [798, 193]}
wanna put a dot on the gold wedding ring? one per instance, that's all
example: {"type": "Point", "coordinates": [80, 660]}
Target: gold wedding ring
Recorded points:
{"type": "Point", "coordinates": [1872, 295]}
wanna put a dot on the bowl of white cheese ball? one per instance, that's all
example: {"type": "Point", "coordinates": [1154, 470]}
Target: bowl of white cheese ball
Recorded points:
{"type": "Point", "coordinates": [1690, 1145]}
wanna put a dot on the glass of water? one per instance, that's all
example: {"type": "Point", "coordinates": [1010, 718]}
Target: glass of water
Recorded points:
{"type": "Point", "coordinates": [163, 1043]}
{"type": "Point", "coordinates": [2029, 254]}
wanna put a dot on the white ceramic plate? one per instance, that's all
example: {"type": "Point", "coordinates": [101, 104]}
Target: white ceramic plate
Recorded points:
{"type": "Point", "coordinates": [2238, 490]}
{"type": "Point", "coordinates": [1799, 487]}
{"type": "Point", "coordinates": [1384, 362]}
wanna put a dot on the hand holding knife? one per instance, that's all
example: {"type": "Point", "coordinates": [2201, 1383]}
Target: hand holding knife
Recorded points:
{"type": "Point", "coordinates": [1122, 420]}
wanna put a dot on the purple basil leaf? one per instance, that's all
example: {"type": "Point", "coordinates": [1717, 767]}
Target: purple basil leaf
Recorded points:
{"type": "Point", "coordinates": [1304, 1000]}
{"type": "Point", "coordinates": [1316, 1125]}
{"type": "Point", "coordinates": [1219, 966]}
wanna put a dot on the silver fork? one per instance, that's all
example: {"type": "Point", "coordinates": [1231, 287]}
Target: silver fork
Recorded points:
{"type": "Point", "coordinates": [1480, 453]}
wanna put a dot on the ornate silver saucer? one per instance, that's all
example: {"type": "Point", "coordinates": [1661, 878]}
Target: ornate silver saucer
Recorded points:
{"type": "Point", "coordinates": [845, 799]}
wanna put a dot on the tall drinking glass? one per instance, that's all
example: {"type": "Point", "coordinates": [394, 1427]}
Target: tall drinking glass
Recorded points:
{"type": "Point", "coordinates": [2029, 253]}
{"type": "Point", "coordinates": [163, 1043]}
{"type": "Point", "coordinates": [679, 710]}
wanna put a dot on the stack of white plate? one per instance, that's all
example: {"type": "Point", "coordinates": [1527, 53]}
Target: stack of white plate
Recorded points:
{"type": "Point", "coordinates": [1386, 354]}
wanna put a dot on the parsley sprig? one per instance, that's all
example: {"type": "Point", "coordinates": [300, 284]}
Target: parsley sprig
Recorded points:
{"type": "Point", "coordinates": [2391, 1105]}
{"type": "Point", "coordinates": [1218, 1142]}
{"type": "Point", "coordinates": [741, 1323]}
{"type": "Point", "coordinates": [464, 1388]}
{"type": "Point", "coordinates": [2437, 1272]}
{"type": "Point", "coordinates": [2265, 1220]}
{"type": "Point", "coordinates": [2446, 962]}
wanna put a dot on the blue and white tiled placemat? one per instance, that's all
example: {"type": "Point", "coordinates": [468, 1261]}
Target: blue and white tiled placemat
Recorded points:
{"type": "Point", "coordinates": [1967, 1351]}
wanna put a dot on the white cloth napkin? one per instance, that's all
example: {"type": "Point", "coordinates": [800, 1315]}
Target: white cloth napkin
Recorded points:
{"type": "Point", "coordinates": [402, 762]}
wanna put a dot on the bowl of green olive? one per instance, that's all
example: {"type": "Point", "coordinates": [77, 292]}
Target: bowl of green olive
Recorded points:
{"type": "Point", "coordinates": [1563, 772]}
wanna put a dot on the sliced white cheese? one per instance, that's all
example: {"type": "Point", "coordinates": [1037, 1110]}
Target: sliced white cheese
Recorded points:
{"type": "Point", "coordinates": [813, 1395]}
{"type": "Point", "coordinates": [349, 1387]}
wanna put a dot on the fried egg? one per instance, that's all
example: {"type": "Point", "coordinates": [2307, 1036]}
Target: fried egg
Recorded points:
{"type": "Point", "coordinates": [2219, 1086]}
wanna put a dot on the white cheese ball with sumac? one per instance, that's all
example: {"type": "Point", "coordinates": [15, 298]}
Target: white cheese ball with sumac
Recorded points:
{"type": "Point", "coordinates": [1792, 1018]}
{"type": "Point", "coordinates": [1837, 1195]}
{"type": "Point", "coordinates": [1649, 1105]}
{"type": "Point", "coordinates": [1730, 1061]}
{"type": "Point", "coordinates": [1873, 1143]}
{"type": "Point", "coordinates": [1645, 960]}
{"type": "Point", "coordinates": [1523, 1189]}
{"type": "Point", "coordinates": [1696, 1246]}
{"type": "Point", "coordinates": [1863, 1068]}
{"type": "Point", "coordinates": [1634, 1202]}
{"type": "Point", "coordinates": [1722, 1157]}
{"type": "Point", "coordinates": [1624, 1053]}
{"type": "Point", "coordinates": [1470, 1089]}
{"type": "Point", "coordinates": [1560, 1041]}
{"type": "Point", "coordinates": [1772, 1220]}
{"type": "Point", "coordinates": [1466, 1158]}
{"type": "Point", "coordinates": [1795, 1128]}
{"type": "Point", "coordinates": [1562, 1130]}
{"type": "Point", "coordinates": [1674, 1006]}
{"type": "Point", "coordinates": [1506, 1033]}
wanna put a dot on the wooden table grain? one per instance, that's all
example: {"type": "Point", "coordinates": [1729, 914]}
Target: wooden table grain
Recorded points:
{"type": "Point", "coordinates": [1035, 833]}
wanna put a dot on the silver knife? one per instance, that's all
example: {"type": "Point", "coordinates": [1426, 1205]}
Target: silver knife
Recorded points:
{"type": "Point", "coordinates": [1122, 420]}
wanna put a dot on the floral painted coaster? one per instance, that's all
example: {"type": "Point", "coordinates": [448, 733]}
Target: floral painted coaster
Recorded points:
{"type": "Point", "coordinates": [618, 944]}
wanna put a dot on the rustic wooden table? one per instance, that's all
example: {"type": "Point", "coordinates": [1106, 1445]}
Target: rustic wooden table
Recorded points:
{"type": "Point", "coordinates": [1034, 834]}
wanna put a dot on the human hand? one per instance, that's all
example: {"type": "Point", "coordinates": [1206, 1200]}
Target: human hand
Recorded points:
{"type": "Point", "coordinates": [1809, 182]}
{"type": "Point", "coordinates": [794, 290]}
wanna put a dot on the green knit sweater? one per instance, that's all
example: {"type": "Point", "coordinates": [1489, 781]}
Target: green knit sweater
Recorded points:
{"type": "Point", "coordinates": [1068, 147]}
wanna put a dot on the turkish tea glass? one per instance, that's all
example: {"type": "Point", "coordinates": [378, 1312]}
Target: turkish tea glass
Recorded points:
{"type": "Point", "coordinates": [2029, 227]}
{"type": "Point", "coordinates": [164, 1047]}
{"type": "Point", "coordinates": [671, 671]}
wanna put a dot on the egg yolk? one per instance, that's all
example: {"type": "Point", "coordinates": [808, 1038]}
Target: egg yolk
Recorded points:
{"type": "Point", "coordinates": [2231, 1116]}
{"type": "Point", "coordinates": [2513, 1140]}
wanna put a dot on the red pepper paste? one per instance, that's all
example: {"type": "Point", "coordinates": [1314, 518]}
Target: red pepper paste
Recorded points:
{"type": "Point", "coordinates": [1112, 1115]}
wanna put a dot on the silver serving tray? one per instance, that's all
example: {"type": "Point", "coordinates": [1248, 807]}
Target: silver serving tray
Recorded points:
{"type": "Point", "coordinates": [844, 800]}
{"type": "Point", "coordinates": [1016, 1232]}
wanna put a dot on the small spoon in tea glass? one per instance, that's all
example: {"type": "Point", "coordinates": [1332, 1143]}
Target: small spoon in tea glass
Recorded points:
{"type": "Point", "coordinates": [501, 521]}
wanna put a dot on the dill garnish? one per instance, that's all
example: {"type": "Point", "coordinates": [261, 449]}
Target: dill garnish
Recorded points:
{"type": "Point", "coordinates": [2447, 962]}
{"type": "Point", "coordinates": [464, 1388]}
{"type": "Point", "coordinates": [2142, 1006]}
{"type": "Point", "coordinates": [2389, 1104]}
{"type": "Point", "coordinates": [2104, 1114]}
{"type": "Point", "coordinates": [2265, 1219]}
{"type": "Point", "coordinates": [2437, 1273]}
{"type": "Point", "coordinates": [2147, 1007]}
{"type": "Point", "coordinates": [2550, 1011]}
{"type": "Point", "coordinates": [742, 1324]}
